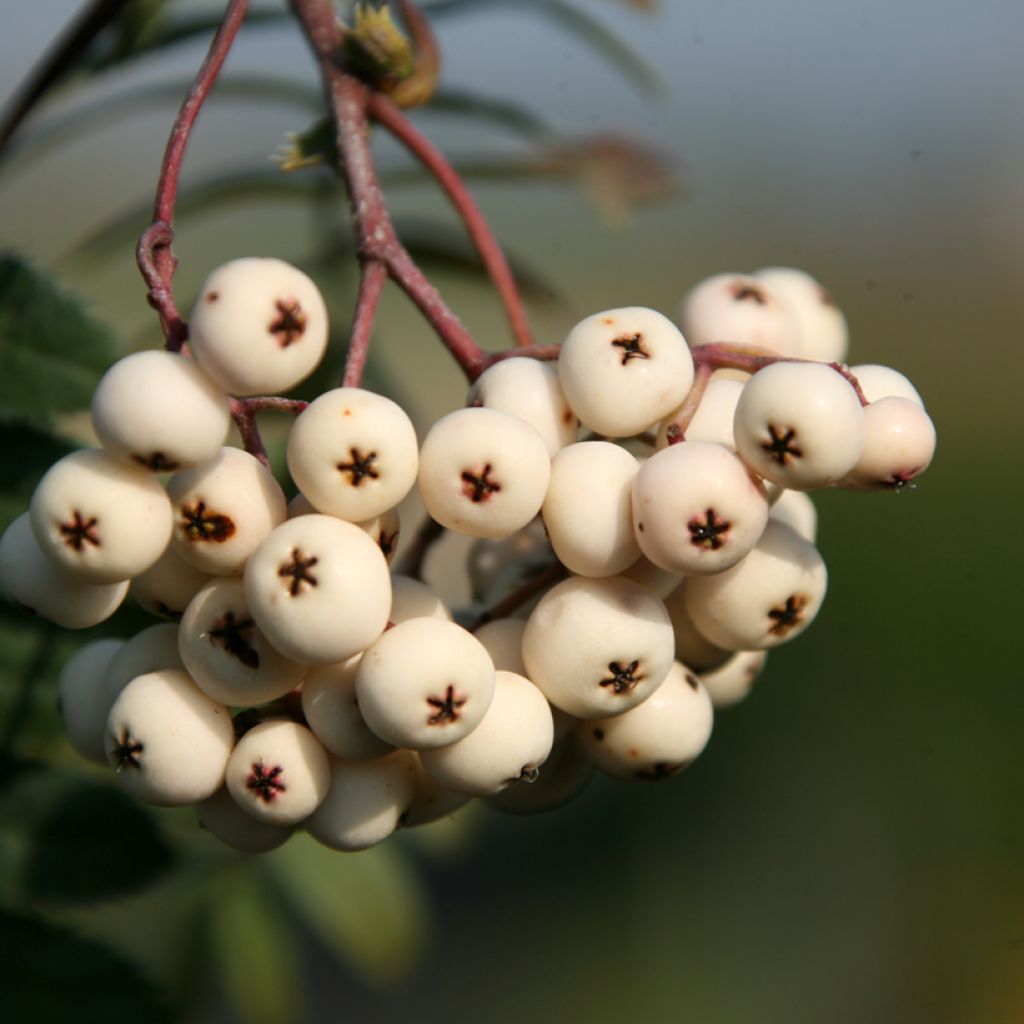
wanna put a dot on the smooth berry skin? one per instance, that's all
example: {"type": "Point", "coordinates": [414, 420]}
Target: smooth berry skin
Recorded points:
{"type": "Point", "coordinates": [658, 737]}
{"type": "Point", "coordinates": [622, 370]}
{"type": "Point", "coordinates": [768, 598]}
{"type": "Point", "coordinates": [738, 309]}
{"type": "Point", "coordinates": [795, 508]}
{"type": "Point", "coordinates": [223, 818]}
{"type": "Point", "coordinates": [100, 519]}
{"type": "Point", "coordinates": [878, 381]}
{"type": "Point", "coordinates": [167, 741]}
{"type": "Point", "coordinates": [160, 411]}
{"type": "Point", "coordinates": [483, 472]}
{"type": "Point", "coordinates": [503, 640]}
{"type": "Point", "coordinates": [596, 647]}
{"type": "Point", "coordinates": [82, 702]}
{"type": "Point", "coordinates": [259, 326]}
{"type": "Point", "coordinates": [692, 647]}
{"type": "Point", "coordinates": [167, 586]}
{"type": "Point", "coordinates": [32, 579]}
{"type": "Point", "coordinates": [430, 801]}
{"type": "Point", "coordinates": [696, 508]}
{"type": "Point", "coordinates": [353, 453]}
{"type": "Point", "coordinates": [731, 682]}
{"type": "Point", "coordinates": [278, 772]}
{"type": "Point", "coordinates": [821, 331]}
{"type": "Point", "coordinates": [799, 425]}
{"type": "Point", "coordinates": [899, 446]}
{"type": "Point", "coordinates": [562, 777]}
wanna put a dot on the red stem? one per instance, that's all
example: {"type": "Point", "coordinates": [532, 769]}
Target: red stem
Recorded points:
{"type": "Point", "coordinates": [153, 253]}
{"type": "Point", "coordinates": [371, 284]}
{"type": "Point", "coordinates": [544, 352]}
{"type": "Point", "coordinates": [245, 420]}
{"type": "Point", "coordinates": [384, 112]}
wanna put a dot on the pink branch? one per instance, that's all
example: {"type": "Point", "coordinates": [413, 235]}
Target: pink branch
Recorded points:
{"type": "Point", "coordinates": [371, 284]}
{"type": "Point", "coordinates": [154, 256]}
{"type": "Point", "coordinates": [384, 112]}
{"type": "Point", "coordinates": [245, 420]}
{"type": "Point", "coordinates": [543, 352]}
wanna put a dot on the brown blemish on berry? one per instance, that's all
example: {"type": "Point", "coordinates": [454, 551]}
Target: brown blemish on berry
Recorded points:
{"type": "Point", "coordinates": [266, 785]}
{"type": "Point", "coordinates": [692, 680]}
{"type": "Point", "coordinates": [640, 527]}
{"type": "Point", "coordinates": [127, 750]}
{"type": "Point", "coordinates": [479, 487]}
{"type": "Point", "coordinates": [447, 707]}
{"type": "Point", "coordinates": [290, 324]}
{"type": "Point", "coordinates": [157, 462]}
{"type": "Point", "coordinates": [608, 321]}
{"type": "Point", "coordinates": [79, 532]}
{"type": "Point", "coordinates": [212, 296]}
{"type": "Point", "coordinates": [599, 735]}
{"type": "Point", "coordinates": [199, 524]}
{"type": "Point", "coordinates": [567, 416]}
{"type": "Point", "coordinates": [297, 570]}
{"type": "Point", "coordinates": [781, 448]}
{"type": "Point", "coordinates": [708, 533]}
{"type": "Point", "coordinates": [826, 297]}
{"type": "Point", "coordinates": [232, 635]}
{"type": "Point", "coordinates": [789, 616]}
{"type": "Point", "coordinates": [528, 774]}
{"type": "Point", "coordinates": [622, 680]}
{"type": "Point", "coordinates": [743, 292]}
{"type": "Point", "coordinates": [632, 347]}
{"type": "Point", "coordinates": [360, 467]}
{"type": "Point", "coordinates": [659, 770]}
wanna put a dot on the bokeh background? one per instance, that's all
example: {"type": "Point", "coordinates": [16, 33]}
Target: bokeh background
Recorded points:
{"type": "Point", "coordinates": [850, 847]}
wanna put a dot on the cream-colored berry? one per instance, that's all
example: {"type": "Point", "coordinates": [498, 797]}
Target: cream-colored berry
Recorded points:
{"type": "Point", "coordinates": [259, 326]}
{"type": "Point", "coordinates": [430, 801]}
{"type": "Point", "coordinates": [413, 599]}
{"type": "Point", "coordinates": [319, 589]}
{"type": "Point", "coordinates": [227, 654]}
{"type": "Point", "coordinates": [331, 707]}
{"type": "Point", "coordinates": [771, 596]}
{"type": "Point", "coordinates": [598, 647]}
{"type": "Point", "coordinates": [696, 508]}
{"type": "Point", "coordinates": [167, 741]}
{"type": "Point", "coordinates": [223, 509]}
{"type": "Point", "coordinates": [223, 818]}
{"type": "Point", "coordinates": [82, 699]}
{"type": "Point", "coordinates": [730, 683]}
{"type": "Point", "coordinates": [353, 453]}
{"type": "Point", "coordinates": [425, 683]}
{"type": "Point", "coordinates": [529, 389]}
{"type": "Point", "coordinates": [692, 647]}
{"type": "Point", "coordinates": [32, 579]}
{"type": "Point", "coordinates": [796, 509]}
{"type": "Point", "coordinates": [151, 650]}
{"type": "Point", "coordinates": [588, 508]}
{"type": "Point", "coordinates": [898, 446]}
{"type": "Point", "coordinates": [509, 745]}
{"type": "Point", "coordinates": [168, 585]}
{"type": "Point", "coordinates": [660, 582]}
{"type": "Point", "coordinates": [365, 802]}
{"type": "Point", "coordinates": [821, 331]}
{"type": "Point", "coordinates": [159, 410]}
{"type": "Point", "coordinates": [384, 531]}
{"type": "Point", "coordinates": [713, 419]}
{"type": "Point", "coordinates": [99, 518]}
{"type": "Point", "coordinates": [278, 772]}
{"type": "Point", "coordinates": [878, 381]}
{"type": "Point", "coordinates": [624, 369]}
{"type": "Point", "coordinates": [503, 640]}
{"type": "Point", "coordinates": [483, 472]}
{"type": "Point", "coordinates": [563, 776]}
{"type": "Point", "coordinates": [656, 738]}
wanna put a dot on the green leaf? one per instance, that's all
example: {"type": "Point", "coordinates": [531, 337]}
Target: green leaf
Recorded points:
{"type": "Point", "coordinates": [368, 907]}
{"type": "Point", "coordinates": [52, 350]}
{"type": "Point", "coordinates": [94, 844]}
{"type": "Point", "coordinates": [254, 950]}
{"type": "Point", "coordinates": [28, 454]}
{"type": "Point", "coordinates": [48, 973]}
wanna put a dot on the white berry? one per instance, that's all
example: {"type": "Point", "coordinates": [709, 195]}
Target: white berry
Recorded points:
{"type": "Point", "coordinates": [821, 331]}
{"type": "Point", "coordinates": [223, 818]}
{"type": "Point", "coordinates": [884, 382]}
{"type": "Point", "coordinates": [899, 445]}
{"type": "Point", "coordinates": [731, 682]}
{"type": "Point", "coordinates": [82, 702]}
{"type": "Point", "coordinates": [167, 586]}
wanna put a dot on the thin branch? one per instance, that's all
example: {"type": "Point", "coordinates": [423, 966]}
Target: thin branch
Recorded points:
{"type": "Point", "coordinates": [271, 403]}
{"type": "Point", "coordinates": [385, 113]}
{"type": "Point", "coordinates": [430, 531]}
{"type": "Point", "coordinates": [245, 420]}
{"type": "Point", "coordinates": [371, 284]}
{"type": "Point", "coordinates": [530, 588]}
{"type": "Point", "coordinates": [676, 430]}
{"type": "Point", "coordinates": [153, 254]}
{"type": "Point", "coordinates": [543, 352]}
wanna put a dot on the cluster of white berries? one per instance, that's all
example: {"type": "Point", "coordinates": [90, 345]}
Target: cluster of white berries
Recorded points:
{"type": "Point", "coordinates": [299, 683]}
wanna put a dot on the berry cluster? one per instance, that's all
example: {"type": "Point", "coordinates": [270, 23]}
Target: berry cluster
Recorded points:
{"type": "Point", "coordinates": [625, 583]}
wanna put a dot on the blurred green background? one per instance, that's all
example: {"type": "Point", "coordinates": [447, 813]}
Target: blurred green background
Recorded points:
{"type": "Point", "coordinates": [850, 847]}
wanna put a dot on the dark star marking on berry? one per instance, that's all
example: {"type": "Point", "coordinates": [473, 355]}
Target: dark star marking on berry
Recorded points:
{"type": "Point", "coordinates": [901, 481]}
{"type": "Point", "coordinates": [232, 635]}
{"type": "Point", "coordinates": [201, 524]}
{"type": "Point", "coordinates": [659, 770]}
{"type": "Point", "coordinates": [632, 347]}
{"type": "Point", "coordinates": [168, 612]}
{"type": "Point", "coordinates": [298, 571]}
{"type": "Point", "coordinates": [360, 467]}
{"type": "Point", "coordinates": [80, 532]}
{"type": "Point", "coordinates": [479, 486]}
{"type": "Point", "coordinates": [744, 292]}
{"type": "Point", "coordinates": [265, 784]}
{"type": "Point", "coordinates": [157, 462]}
{"type": "Point", "coordinates": [620, 679]}
{"type": "Point", "coordinates": [708, 533]}
{"type": "Point", "coordinates": [789, 616]}
{"type": "Point", "coordinates": [290, 324]}
{"type": "Point", "coordinates": [127, 750]}
{"type": "Point", "coordinates": [781, 447]}
{"type": "Point", "coordinates": [528, 774]}
{"type": "Point", "coordinates": [447, 707]}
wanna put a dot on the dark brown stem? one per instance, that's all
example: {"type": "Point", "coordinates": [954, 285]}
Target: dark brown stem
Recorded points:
{"type": "Point", "coordinates": [371, 284]}
{"type": "Point", "coordinates": [427, 535]}
{"type": "Point", "coordinates": [533, 586]}
{"type": "Point", "coordinates": [376, 237]}
{"type": "Point", "coordinates": [153, 253]}
{"type": "Point", "coordinates": [385, 113]}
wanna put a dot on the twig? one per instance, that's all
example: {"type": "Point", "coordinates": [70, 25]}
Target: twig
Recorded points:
{"type": "Point", "coordinates": [543, 352]}
{"type": "Point", "coordinates": [245, 420]}
{"type": "Point", "coordinates": [371, 284]}
{"type": "Point", "coordinates": [154, 256]}
{"type": "Point", "coordinates": [510, 602]}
